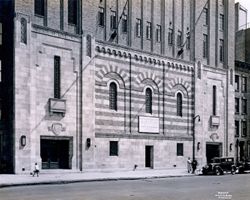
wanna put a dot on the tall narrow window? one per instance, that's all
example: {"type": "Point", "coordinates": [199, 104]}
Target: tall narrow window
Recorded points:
{"type": "Point", "coordinates": [124, 24]}
{"type": "Point", "coordinates": [158, 33]}
{"type": "Point", "coordinates": [244, 84]}
{"type": "Point", "coordinates": [221, 50]}
{"type": "Point", "coordinates": [237, 128]}
{"type": "Point", "coordinates": [113, 20]}
{"type": "Point", "coordinates": [180, 149]}
{"type": "Point", "coordinates": [148, 100]}
{"type": "Point", "coordinates": [188, 42]}
{"type": "Point", "coordinates": [214, 100]}
{"type": "Point", "coordinates": [170, 36]}
{"type": "Point", "coordinates": [0, 71]}
{"type": "Point", "coordinates": [39, 7]}
{"type": "Point", "coordinates": [138, 27]}
{"type": "Point", "coordinates": [1, 34]}
{"type": "Point", "coordinates": [221, 22]}
{"type": "Point", "coordinates": [205, 46]}
{"type": "Point", "coordinates": [57, 77]}
{"type": "Point", "coordinates": [101, 16]}
{"type": "Point", "coordinates": [72, 12]}
{"type": "Point", "coordinates": [89, 49]}
{"type": "Point", "coordinates": [237, 105]}
{"type": "Point", "coordinates": [113, 148]}
{"type": "Point", "coordinates": [231, 76]}
{"type": "Point", "coordinates": [237, 83]}
{"type": "Point", "coordinates": [24, 30]}
{"type": "Point", "coordinates": [61, 14]}
{"type": "Point", "coordinates": [1, 113]}
{"type": "Point", "coordinates": [206, 16]}
{"type": "Point", "coordinates": [244, 128]}
{"type": "Point", "coordinates": [244, 106]}
{"type": "Point", "coordinates": [149, 30]}
{"type": "Point", "coordinates": [179, 39]}
{"type": "Point", "coordinates": [179, 104]}
{"type": "Point", "coordinates": [113, 96]}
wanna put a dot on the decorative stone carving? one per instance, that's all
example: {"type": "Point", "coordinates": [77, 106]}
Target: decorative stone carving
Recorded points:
{"type": "Point", "coordinates": [56, 128]}
{"type": "Point", "coordinates": [214, 137]}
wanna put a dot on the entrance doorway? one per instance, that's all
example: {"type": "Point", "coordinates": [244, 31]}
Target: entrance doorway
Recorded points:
{"type": "Point", "coordinates": [55, 153]}
{"type": "Point", "coordinates": [213, 150]}
{"type": "Point", "coordinates": [149, 152]}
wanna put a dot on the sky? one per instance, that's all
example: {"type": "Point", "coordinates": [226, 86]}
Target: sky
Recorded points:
{"type": "Point", "coordinates": [245, 4]}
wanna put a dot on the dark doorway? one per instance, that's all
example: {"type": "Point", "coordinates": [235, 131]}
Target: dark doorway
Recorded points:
{"type": "Point", "coordinates": [149, 156]}
{"type": "Point", "coordinates": [55, 153]}
{"type": "Point", "coordinates": [213, 150]}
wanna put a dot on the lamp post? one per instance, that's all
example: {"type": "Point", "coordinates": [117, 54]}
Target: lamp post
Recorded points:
{"type": "Point", "coordinates": [199, 119]}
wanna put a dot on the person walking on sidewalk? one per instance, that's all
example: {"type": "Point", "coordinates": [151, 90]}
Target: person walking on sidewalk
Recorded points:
{"type": "Point", "coordinates": [36, 170]}
{"type": "Point", "coordinates": [189, 165]}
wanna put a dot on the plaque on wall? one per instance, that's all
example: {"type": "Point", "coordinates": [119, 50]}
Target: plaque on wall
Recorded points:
{"type": "Point", "coordinates": [149, 124]}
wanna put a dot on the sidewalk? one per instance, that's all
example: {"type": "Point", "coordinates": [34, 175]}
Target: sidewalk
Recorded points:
{"type": "Point", "coordinates": [61, 177]}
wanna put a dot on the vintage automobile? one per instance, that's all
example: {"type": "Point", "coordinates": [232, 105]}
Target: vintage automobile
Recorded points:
{"type": "Point", "coordinates": [219, 166]}
{"type": "Point", "coordinates": [243, 166]}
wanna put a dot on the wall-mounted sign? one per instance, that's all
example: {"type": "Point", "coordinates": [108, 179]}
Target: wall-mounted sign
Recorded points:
{"type": "Point", "coordinates": [149, 124]}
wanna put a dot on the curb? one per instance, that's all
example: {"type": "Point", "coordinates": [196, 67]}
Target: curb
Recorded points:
{"type": "Point", "coordinates": [59, 182]}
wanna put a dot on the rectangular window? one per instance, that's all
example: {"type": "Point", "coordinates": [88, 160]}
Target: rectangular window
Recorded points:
{"type": "Point", "coordinates": [138, 27]}
{"type": "Point", "coordinates": [206, 16]}
{"type": "Point", "coordinates": [237, 128]}
{"type": "Point", "coordinates": [221, 50]}
{"type": "Point", "coordinates": [72, 11]}
{"type": "Point", "coordinates": [101, 16]}
{"type": "Point", "coordinates": [113, 20]}
{"type": "Point", "coordinates": [180, 149]}
{"type": "Point", "coordinates": [237, 83]}
{"type": "Point", "coordinates": [158, 33]}
{"type": "Point", "coordinates": [124, 23]}
{"type": "Point", "coordinates": [205, 46]}
{"type": "Point", "coordinates": [188, 42]}
{"type": "Point", "coordinates": [170, 36]}
{"type": "Point", "coordinates": [179, 39]}
{"type": "Point", "coordinates": [214, 100]}
{"type": "Point", "coordinates": [221, 22]}
{"type": "Point", "coordinates": [244, 128]}
{"type": "Point", "coordinates": [237, 105]}
{"type": "Point", "coordinates": [113, 148]}
{"type": "Point", "coordinates": [244, 84]}
{"type": "Point", "coordinates": [149, 30]}
{"type": "Point", "coordinates": [1, 34]}
{"type": "Point", "coordinates": [39, 7]}
{"type": "Point", "coordinates": [57, 77]}
{"type": "Point", "coordinates": [244, 106]}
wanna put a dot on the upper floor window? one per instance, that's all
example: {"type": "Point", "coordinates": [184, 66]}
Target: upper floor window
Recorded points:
{"type": "Point", "coordinates": [24, 30]}
{"type": "Point", "coordinates": [112, 96]}
{"type": "Point", "coordinates": [179, 39]}
{"type": "Point", "coordinates": [221, 22]}
{"type": "Point", "coordinates": [214, 99]}
{"type": "Point", "coordinates": [205, 46]}
{"type": "Point", "coordinates": [149, 31]}
{"type": "Point", "coordinates": [158, 33]}
{"type": "Point", "coordinates": [221, 50]}
{"type": "Point", "coordinates": [243, 128]}
{"type": "Point", "coordinates": [188, 42]}
{"type": "Point", "coordinates": [237, 105]}
{"type": "Point", "coordinates": [244, 106]}
{"type": "Point", "coordinates": [1, 34]}
{"type": "Point", "coordinates": [124, 23]}
{"type": "Point", "coordinates": [39, 7]}
{"type": "Point", "coordinates": [170, 36]}
{"type": "Point", "coordinates": [206, 16]}
{"type": "Point", "coordinates": [179, 104]}
{"type": "Point", "coordinates": [101, 16]}
{"type": "Point", "coordinates": [113, 20]}
{"type": "Point", "coordinates": [244, 84]}
{"type": "Point", "coordinates": [138, 27]}
{"type": "Point", "coordinates": [72, 11]}
{"type": "Point", "coordinates": [237, 82]}
{"type": "Point", "coordinates": [57, 77]}
{"type": "Point", "coordinates": [237, 128]}
{"type": "Point", "coordinates": [148, 100]}
{"type": "Point", "coordinates": [89, 46]}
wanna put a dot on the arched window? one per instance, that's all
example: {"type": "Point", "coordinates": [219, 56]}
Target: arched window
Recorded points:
{"type": "Point", "coordinates": [113, 96]}
{"type": "Point", "coordinates": [24, 31]}
{"type": "Point", "coordinates": [179, 104]}
{"type": "Point", "coordinates": [88, 46]}
{"type": "Point", "coordinates": [148, 100]}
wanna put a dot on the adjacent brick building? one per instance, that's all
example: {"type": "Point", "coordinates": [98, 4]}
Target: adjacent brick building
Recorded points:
{"type": "Point", "coordinates": [117, 84]}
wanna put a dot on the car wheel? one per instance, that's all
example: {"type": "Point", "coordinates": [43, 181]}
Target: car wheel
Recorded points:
{"type": "Point", "coordinates": [217, 172]}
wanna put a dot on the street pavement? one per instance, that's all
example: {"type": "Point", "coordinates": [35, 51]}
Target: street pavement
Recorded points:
{"type": "Point", "coordinates": [66, 176]}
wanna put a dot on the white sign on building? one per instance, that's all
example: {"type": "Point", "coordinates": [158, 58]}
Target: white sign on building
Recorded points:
{"type": "Point", "coordinates": [149, 124]}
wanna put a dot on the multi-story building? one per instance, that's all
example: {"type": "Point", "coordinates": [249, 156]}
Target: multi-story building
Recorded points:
{"type": "Point", "coordinates": [117, 83]}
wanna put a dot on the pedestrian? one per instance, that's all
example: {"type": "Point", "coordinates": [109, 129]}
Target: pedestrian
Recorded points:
{"type": "Point", "coordinates": [189, 165]}
{"type": "Point", "coordinates": [36, 170]}
{"type": "Point", "coordinates": [194, 165]}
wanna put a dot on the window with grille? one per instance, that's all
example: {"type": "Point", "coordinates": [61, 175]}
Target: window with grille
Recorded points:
{"type": "Point", "coordinates": [101, 16]}
{"type": "Point", "coordinates": [214, 100]}
{"type": "Point", "coordinates": [149, 30]}
{"type": "Point", "coordinates": [221, 50]}
{"type": "Point", "coordinates": [179, 104]}
{"type": "Point", "coordinates": [24, 31]}
{"type": "Point", "coordinates": [237, 82]}
{"type": "Point", "coordinates": [180, 149]}
{"type": "Point", "coordinates": [113, 20]}
{"type": "Point", "coordinates": [113, 148]}
{"type": "Point", "coordinates": [138, 27]}
{"type": "Point", "coordinates": [39, 7]}
{"type": "Point", "coordinates": [57, 77]}
{"type": "Point", "coordinates": [237, 105]}
{"type": "Point", "coordinates": [206, 16]}
{"type": "Point", "coordinates": [158, 33]}
{"type": "Point", "coordinates": [221, 22]}
{"type": "Point", "coordinates": [170, 36]}
{"type": "Point", "coordinates": [113, 96]}
{"type": "Point", "coordinates": [244, 106]}
{"type": "Point", "coordinates": [244, 84]}
{"type": "Point", "coordinates": [244, 128]}
{"type": "Point", "coordinates": [124, 24]}
{"type": "Point", "coordinates": [205, 46]}
{"type": "Point", "coordinates": [237, 128]}
{"type": "Point", "coordinates": [148, 100]}
{"type": "Point", "coordinates": [72, 12]}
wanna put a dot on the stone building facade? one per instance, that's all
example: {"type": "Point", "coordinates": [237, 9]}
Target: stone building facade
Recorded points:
{"type": "Point", "coordinates": [119, 84]}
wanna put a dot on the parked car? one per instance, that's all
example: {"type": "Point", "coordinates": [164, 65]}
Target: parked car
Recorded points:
{"type": "Point", "coordinates": [219, 166]}
{"type": "Point", "coordinates": [243, 166]}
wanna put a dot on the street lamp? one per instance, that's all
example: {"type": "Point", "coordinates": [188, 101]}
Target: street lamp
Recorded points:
{"type": "Point", "coordinates": [199, 119]}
